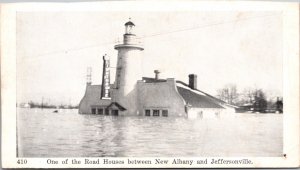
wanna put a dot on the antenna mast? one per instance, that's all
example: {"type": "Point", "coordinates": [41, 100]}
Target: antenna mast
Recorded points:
{"type": "Point", "coordinates": [89, 76]}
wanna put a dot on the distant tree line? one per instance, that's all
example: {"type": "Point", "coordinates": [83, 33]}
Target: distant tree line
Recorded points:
{"type": "Point", "coordinates": [40, 105]}
{"type": "Point", "coordinates": [32, 104]}
{"type": "Point", "coordinates": [250, 99]}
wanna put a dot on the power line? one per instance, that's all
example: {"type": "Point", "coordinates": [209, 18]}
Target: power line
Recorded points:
{"type": "Point", "coordinates": [70, 50]}
{"type": "Point", "coordinates": [153, 35]}
{"type": "Point", "coordinates": [208, 25]}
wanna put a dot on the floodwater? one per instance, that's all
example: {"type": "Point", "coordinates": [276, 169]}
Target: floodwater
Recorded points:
{"type": "Point", "coordinates": [42, 133]}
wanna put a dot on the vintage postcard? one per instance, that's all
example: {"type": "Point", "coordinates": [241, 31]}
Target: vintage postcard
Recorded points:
{"type": "Point", "coordinates": [140, 84]}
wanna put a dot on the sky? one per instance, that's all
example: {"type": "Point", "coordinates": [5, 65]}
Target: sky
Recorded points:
{"type": "Point", "coordinates": [55, 48]}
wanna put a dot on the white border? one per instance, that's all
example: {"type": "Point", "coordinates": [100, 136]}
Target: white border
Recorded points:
{"type": "Point", "coordinates": [291, 75]}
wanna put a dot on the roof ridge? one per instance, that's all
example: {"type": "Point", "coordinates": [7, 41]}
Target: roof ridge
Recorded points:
{"type": "Point", "coordinates": [198, 100]}
{"type": "Point", "coordinates": [181, 82]}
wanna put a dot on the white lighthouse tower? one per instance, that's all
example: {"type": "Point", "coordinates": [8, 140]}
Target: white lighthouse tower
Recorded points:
{"type": "Point", "coordinates": [129, 70]}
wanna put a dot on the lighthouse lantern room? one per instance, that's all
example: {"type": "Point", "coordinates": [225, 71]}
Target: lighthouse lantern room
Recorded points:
{"type": "Point", "coordinates": [129, 27]}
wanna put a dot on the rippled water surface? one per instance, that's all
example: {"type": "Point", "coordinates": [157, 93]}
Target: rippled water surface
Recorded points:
{"type": "Point", "coordinates": [42, 133]}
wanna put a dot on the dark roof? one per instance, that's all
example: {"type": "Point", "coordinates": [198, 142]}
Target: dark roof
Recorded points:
{"type": "Point", "coordinates": [197, 100]}
{"type": "Point", "coordinates": [190, 96]}
{"type": "Point", "coordinates": [117, 105]}
{"type": "Point", "coordinates": [214, 98]}
{"type": "Point", "coordinates": [129, 23]}
{"type": "Point", "coordinates": [152, 80]}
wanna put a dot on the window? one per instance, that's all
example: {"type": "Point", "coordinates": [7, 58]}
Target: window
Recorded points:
{"type": "Point", "coordinates": [106, 112]}
{"type": "Point", "coordinates": [100, 111]}
{"type": "Point", "coordinates": [155, 112]}
{"type": "Point", "coordinates": [147, 113]}
{"type": "Point", "coordinates": [115, 112]}
{"type": "Point", "coordinates": [165, 113]}
{"type": "Point", "coordinates": [93, 110]}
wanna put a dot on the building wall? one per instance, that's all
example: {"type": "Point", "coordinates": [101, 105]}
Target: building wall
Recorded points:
{"type": "Point", "coordinates": [160, 96]}
{"type": "Point", "coordinates": [91, 99]}
{"type": "Point", "coordinates": [151, 96]}
{"type": "Point", "coordinates": [228, 111]}
{"type": "Point", "coordinates": [196, 113]}
{"type": "Point", "coordinates": [129, 102]}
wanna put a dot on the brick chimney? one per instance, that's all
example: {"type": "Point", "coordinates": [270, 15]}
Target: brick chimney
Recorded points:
{"type": "Point", "coordinates": [193, 81]}
{"type": "Point", "coordinates": [156, 74]}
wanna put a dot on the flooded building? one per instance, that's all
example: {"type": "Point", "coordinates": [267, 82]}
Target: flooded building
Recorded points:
{"type": "Point", "coordinates": [135, 95]}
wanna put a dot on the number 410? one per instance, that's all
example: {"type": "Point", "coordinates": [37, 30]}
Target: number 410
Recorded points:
{"type": "Point", "coordinates": [22, 161]}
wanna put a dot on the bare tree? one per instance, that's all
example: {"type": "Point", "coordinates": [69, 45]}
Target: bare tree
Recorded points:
{"type": "Point", "coordinates": [247, 96]}
{"type": "Point", "coordinates": [228, 94]}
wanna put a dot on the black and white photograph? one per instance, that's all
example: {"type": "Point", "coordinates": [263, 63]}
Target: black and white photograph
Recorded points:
{"type": "Point", "coordinates": [129, 83]}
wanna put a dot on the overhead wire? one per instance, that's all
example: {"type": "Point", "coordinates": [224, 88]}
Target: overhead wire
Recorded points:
{"type": "Point", "coordinates": [152, 35]}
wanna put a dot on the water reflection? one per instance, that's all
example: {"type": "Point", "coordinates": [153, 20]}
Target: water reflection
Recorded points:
{"type": "Point", "coordinates": [43, 133]}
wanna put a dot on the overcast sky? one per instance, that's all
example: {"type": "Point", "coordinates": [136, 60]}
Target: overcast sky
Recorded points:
{"type": "Point", "coordinates": [54, 49]}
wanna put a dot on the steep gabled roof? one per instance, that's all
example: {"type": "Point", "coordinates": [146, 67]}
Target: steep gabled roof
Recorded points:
{"type": "Point", "coordinates": [208, 95]}
{"type": "Point", "coordinates": [219, 100]}
{"type": "Point", "coordinates": [197, 98]}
